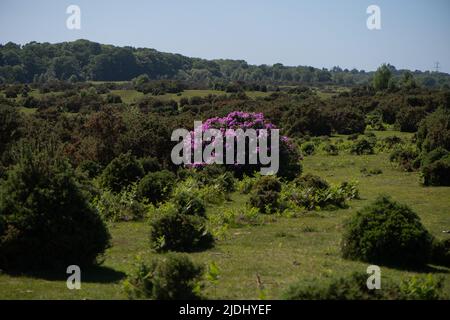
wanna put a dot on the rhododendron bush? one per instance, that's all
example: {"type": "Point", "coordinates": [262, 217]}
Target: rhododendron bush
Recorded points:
{"type": "Point", "coordinates": [228, 126]}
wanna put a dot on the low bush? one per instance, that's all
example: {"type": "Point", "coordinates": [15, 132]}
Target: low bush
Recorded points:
{"type": "Point", "coordinates": [387, 232]}
{"type": "Point", "coordinates": [406, 157]}
{"type": "Point", "coordinates": [308, 148]}
{"type": "Point", "coordinates": [441, 252]}
{"type": "Point", "coordinates": [331, 149]}
{"type": "Point", "coordinates": [189, 203]}
{"type": "Point", "coordinates": [174, 231]}
{"type": "Point", "coordinates": [121, 172]}
{"type": "Point", "coordinates": [45, 218]}
{"type": "Point", "coordinates": [362, 146]}
{"type": "Point", "coordinates": [354, 287]}
{"type": "Point", "coordinates": [311, 181]}
{"type": "Point", "coordinates": [156, 186]}
{"type": "Point", "coordinates": [265, 194]}
{"type": "Point", "coordinates": [122, 206]}
{"type": "Point", "coordinates": [172, 277]}
{"type": "Point", "coordinates": [437, 173]}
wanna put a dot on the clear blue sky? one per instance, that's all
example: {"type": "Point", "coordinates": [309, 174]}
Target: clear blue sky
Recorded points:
{"type": "Point", "coordinates": [321, 33]}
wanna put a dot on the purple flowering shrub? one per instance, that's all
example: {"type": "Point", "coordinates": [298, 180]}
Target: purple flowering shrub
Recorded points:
{"type": "Point", "coordinates": [289, 157]}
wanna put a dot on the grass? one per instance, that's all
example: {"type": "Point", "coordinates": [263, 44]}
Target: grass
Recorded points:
{"type": "Point", "coordinates": [287, 250]}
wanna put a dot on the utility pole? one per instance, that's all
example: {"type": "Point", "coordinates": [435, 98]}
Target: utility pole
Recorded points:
{"type": "Point", "coordinates": [436, 66]}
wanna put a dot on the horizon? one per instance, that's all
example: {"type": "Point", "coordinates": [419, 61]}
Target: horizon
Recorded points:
{"type": "Point", "coordinates": [237, 59]}
{"type": "Point", "coordinates": [261, 33]}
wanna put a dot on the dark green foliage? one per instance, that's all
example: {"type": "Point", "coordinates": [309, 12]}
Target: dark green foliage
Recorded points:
{"type": "Point", "coordinates": [10, 121]}
{"type": "Point", "coordinates": [362, 146]}
{"type": "Point", "coordinates": [179, 232]}
{"type": "Point", "coordinates": [92, 168]}
{"type": "Point", "coordinates": [308, 148]}
{"type": "Point", "coordinates": [407, 158]}
{"type": "Point", "coordinates": [390, 142]}
{"type": "Point", "coordinates": [121, 172]}
{"type": "Point", "coordinates": [354, 287]}
{"type": "Point", "coordinates": [45, 218]}
{"type": "Point", "coordinates": [437, 173]}
{"type": "Point", "coordinates": [265, 194]}
{"type": "Point", "coordinates": [331, 149]}
{"type": "Point", "coordinates": [190, 204]}
{"type": "Point", "coordinates": [387, 232]}
{"type": "Point", "coordinates": [172, 277]}
{"type": "Point", "coordinates": [150, 164]}
{"type": "Point", "coordinates": [113, 98]}
{"type": "Point", "coordinates": [441, 252]}
{"type": "Point", "coordinates": [348, 120]}
{"type": "Point", "coordinates": [156, 186]}
{"type": "Point", "coordinates": [311, 181]}
{"type": "Point", "coordinates": [434, 131]}
{"type": "Point", "coordinates": [434, 155]}
{"type": "Point", "coordinates": [408, 118]}
{"type": "Point", "coordinates": [382, 77]}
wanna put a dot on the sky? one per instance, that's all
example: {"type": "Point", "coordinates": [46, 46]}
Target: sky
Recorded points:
{"type": "Point", "coordinates": [414, 34]}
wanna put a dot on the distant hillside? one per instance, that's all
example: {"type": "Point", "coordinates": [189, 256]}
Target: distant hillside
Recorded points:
{"type": "Point", "coordinates": [85, 60]}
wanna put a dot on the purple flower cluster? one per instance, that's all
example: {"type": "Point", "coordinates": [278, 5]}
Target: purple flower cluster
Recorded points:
{"type": "Point", "coordinates": [239, 120]}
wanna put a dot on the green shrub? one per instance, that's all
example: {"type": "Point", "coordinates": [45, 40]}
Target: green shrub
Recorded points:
{"type": "Point", "coordinates": [179, 232]}
{"type": "Point", "coordinates": [308, 148]}
{"type": "Point", "coordinates": [434, 155]}
{"type": "Point", "coordinates": [406, 157]}
{"type": "Point", "coordinates": [91, 168]}
{"type": "Point", "coordinates": [172, 277]}
{"type": "Point", "coordinates": [354, 287]}
{"type": "Point", "coordinates": [362, 146]}
{"type": "Point", "coordinates": [422, 288]}
{"type": "Point", "coordinates": [441, 252]}
{"type": "Point", "coordinates": [371, 172]}
{"type": "Point", "coordinates": [311, 181]}
{"type": "Point", "coordinates": [434, 131]}
{"type": "Point", "coordinates": [331, 149]}
{"type": "Point", "coordinates": [121, 172]}
{"type": "Point", "coordinates": [122, 206]}
{"type": "Point", "coordinates": [437, 173]}
{"type": "Point", "coordinates": [45, 218]}
{"type": "Point", "coordinates": [189, 203]}
{"type": "Point", "coordinates": [386, 232]}
{"type": "Point", "coordinates": [265, 194]}
{"type": "Point", "coordinates": [389, 142]}
{"type": "Point", "coordinates": [156, 186]}
{"type": "Point", "coordinates": [150, 164]}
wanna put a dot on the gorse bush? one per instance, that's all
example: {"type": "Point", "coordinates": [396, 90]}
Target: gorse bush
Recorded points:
{"type": "Point", "coordinates": [440, 254]}
{"type": "Point", "coordinates": [189, 203]}
{"type": "Point", "coordinates": [175, 231]}
{"type": "Point", "coordinates": [156, 186]}
{"type": "Point", "coordinates": [121, 172]}
{"type": "Point", "coordinates": [434, 131]}
{"type": "Point", "coordinates": [354, 287]}
{"type": "Point", "coordinates": [437, 173]}
{"type": "Point", "coordinates": [311, 181]}
{"type": "Point", "coordinates": [406, 157]}
{"type": "Point", "coordinates": [265, 194]}
{"type": "Point", "coordinates": [172, 277]}
{"type": "Point", "coordinates": [387, 232]}
{"type": "Point", "coordinates": [45, 218]}
{"type": "Point", "coordinates": [362, 146]}
{"type": "Point", "coordinates": [308, 148]}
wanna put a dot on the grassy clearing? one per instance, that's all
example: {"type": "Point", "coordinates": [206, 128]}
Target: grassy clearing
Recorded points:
{"type": "Point", "coordinates": [281, 252]}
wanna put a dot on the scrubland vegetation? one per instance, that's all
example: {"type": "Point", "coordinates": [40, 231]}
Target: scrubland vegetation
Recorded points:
{"type": "Point", "coordinates": [86, 178]}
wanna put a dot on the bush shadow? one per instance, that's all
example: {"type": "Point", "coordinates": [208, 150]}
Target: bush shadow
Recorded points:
{"type": "Point", "coordinates": [92, 274]}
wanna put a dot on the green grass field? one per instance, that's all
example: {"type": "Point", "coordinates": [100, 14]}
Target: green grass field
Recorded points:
{"type": "Point", "coordinates": [306, 248]}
